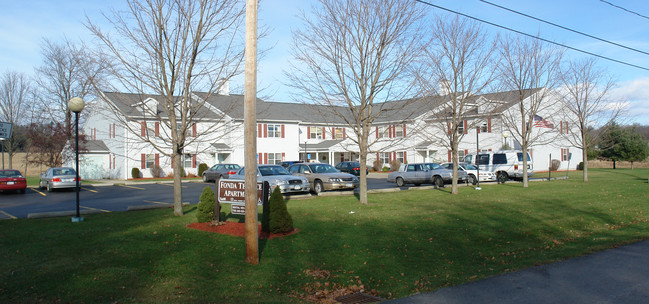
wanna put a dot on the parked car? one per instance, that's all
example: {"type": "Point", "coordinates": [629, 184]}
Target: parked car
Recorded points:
{"type": "Point", "coordinates": [58, 178]}
{"type": "Point", "coordinates": [351, 167]}
{"type": "Point", "coordinates": [472, 171]}
{"type": "Point", "coordinates": [504, 164]}
{"type": "Point", "coordinates": [423, 173]}
{"type": "Point", "coordinates": [277, 176]}
{"type": "Point", "coordinates": [324, 177]}
{"type": "Point", "coordinates": [287, 163]}
{"type": "Point", "coordinates": [219, 171]}
{"type": "Point", "coordinates": [12, 180]}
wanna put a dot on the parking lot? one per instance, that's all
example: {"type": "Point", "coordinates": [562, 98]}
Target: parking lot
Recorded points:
{"type": "Point", "coordinates": [109, 196]}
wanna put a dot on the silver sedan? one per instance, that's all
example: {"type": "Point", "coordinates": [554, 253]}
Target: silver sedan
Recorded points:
{"type": "Point", "coordinates": [58, 178]}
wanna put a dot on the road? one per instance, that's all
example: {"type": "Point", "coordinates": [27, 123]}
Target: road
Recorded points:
{"type": "Point", "coordinates": [96, 198]}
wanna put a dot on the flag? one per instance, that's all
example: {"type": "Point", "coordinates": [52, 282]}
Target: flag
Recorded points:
{"type": "Point", "coordinates": [540, 122]}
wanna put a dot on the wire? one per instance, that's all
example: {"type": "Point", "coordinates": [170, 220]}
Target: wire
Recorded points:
{"type": "Point", "coordinates": [624, 9]}
{"type": "Point", "coordinates": [535, 37]}
{"type": "Point", "coordinates": [565, 28]}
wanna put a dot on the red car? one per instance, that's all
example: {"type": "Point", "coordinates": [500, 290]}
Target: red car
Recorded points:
{"type": "Point", "coordinates": [12, 180]}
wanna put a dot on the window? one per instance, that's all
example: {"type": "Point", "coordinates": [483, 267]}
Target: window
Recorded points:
{"type": "Point", "coordinates": [147, 161]}
{"type": "Point", "coordinates": [150, 160]}
{"type": "Point", "coordinates": [382, 131]}
{"type": "Point", "coordinates": [274, 158]}
{"type": "Point", "coordinates": [316, 132]}
{"type": "Point", "coordinates": [500, 159]}
{"type": "Point", "coordinates": [483, 128]}
{"type": "Point", "coordinates": [483, 159]}
{"type": "Point", "coordinates": [189, 161]}
{"type": "Point", "coordinates": [401, 157]}
{"type": "Point", "coordinates": [565, 154]}
{"type": "Point", "coordinates": [398, 130]}
{"type": "Point", "coordinates": [339, 133]}
{"type": "Point", "coordinates": [461, 154]}
{"type": "Point", "coordinates": [384, 157]}
{"type": "Point", "coordinates": [111, 130]}
{"type": "Point", "coordinates": [274, 130]}
{"type": "Point", "coordinates": [460, 128]}
{"type": "Point", "coordinates": [564, 128]}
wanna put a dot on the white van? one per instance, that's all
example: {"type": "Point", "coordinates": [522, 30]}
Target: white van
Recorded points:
{"type": "Point", "coordinates": [505, 164]}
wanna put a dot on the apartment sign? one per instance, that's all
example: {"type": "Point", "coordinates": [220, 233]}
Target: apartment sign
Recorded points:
{"type": "Point", "coordinates": [234, 191]}
{"type": "Point", "coordinates": [5, 130]}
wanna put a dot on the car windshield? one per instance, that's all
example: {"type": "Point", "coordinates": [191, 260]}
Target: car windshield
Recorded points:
{"type": "Point", "coordinates": [63, 172]}
{"type": "Point", "coordinates": [469, 167]}
{"type": "Point", "coordinates": [273, 170]}
{"type": "Point", "coordinates": [10, 173]}
{"type": "Point", "coordinates": [232, 167]}
{"type": "Point", "coordinates": [432, 166]}
{"type": "Point", "coordinates": [324, 168]}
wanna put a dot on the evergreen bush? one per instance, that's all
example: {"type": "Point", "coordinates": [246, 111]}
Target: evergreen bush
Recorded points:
{"type": "Point", "coordinates": [280, 221]}
{"type": "Point", "coordinates": [135, 173]}
{"type": "Point", "coordinates": [206, 206]}
{"type": "Point", "coordinates": [580, 166]}
{"type": "Point", "coordinates": [202, 168]}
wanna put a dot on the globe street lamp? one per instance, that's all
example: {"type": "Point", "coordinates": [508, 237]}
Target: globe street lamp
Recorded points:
{"type": "Point", "coordinates": [505, 135]}
{"type": "Point", "coordinates": [76, 105]}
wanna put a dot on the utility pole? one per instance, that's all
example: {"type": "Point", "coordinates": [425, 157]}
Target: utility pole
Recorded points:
{"type": "Point", "coordinates": [250, 137]}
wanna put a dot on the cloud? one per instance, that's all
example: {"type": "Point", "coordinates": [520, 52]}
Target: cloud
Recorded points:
{"type": "Point", "coordinates": [636, 94]}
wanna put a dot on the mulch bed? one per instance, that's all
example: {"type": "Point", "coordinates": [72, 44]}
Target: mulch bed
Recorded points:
{"type": "Point", "coordinates": [236, 229]}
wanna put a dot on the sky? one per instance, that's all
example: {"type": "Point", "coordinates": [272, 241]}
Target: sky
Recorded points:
{"type": "Point", "coordinates": [24, 24]}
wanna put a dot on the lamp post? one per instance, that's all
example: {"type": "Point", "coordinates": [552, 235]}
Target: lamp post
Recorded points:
{"type": "Point", "coordinates": [76, 105]}
{"type": "Point", "coordinates": [505, 135]}
{"type": "Point", "coordinates": [477, 156]}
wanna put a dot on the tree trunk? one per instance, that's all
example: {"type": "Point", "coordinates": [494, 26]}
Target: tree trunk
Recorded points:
{"type": "Point", "coordinates": [585, 160]}
{"type": "Point", "coordinates": [525, 177]}
{"type": "Point", "coordinates": [614, 165]}
{"type": "Point", "coordinates": [363, 168]}
{"type": "Point", "coordinates": [178, 192]}
{"type": "Point", "coordinates": [454, 186]}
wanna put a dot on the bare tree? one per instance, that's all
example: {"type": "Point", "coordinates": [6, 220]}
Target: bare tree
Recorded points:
{"type": "Point", "coordinates": [585, 98]}
{"type": "Point", "coordinates": [68, 71]}
{"type": "Point", "coordinates": [14, 97]}
{"type": "Point", "coordinates": [168, 50]}
{"type": "Point", "coordinates": [352, 56]}
{"type": "Point", "coordinates": [458, 67]}
{"type": "Point", "coordinates": [530, 70]}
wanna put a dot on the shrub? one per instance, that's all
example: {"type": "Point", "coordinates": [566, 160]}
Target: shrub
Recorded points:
{"type": "Point", "coordinates": [135, 173]}
{"type": "Point", "coordinates": [386, 169]}
{"type": "Point", "coordinates": [156, 171]}
{"type": "Point", "coordinates": [554, 166]}
{"type": "Point", "coordinates": [206, 206]}
{"type": "Point", "coordinates": [376, 165]}
{"type": "Point", "coordinates": [280, 220]}
{"type": "Point", "coordinates": [395, 164]}
{"type": "Point", "coordinates": [202, 168]}
{"type": "Point", "coordinates": [580, 166]}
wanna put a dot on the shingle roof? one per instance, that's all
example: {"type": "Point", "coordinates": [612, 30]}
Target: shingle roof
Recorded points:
{"type": "Point", "coordinates": [388, 112]}
{"type": "Point", "coordinates": [95, 146]}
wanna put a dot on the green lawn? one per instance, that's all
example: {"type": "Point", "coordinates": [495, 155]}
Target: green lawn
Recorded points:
{"type": "Point", "coordinates": [402, 243]}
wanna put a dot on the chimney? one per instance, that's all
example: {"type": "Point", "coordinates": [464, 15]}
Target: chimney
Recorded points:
{"type": "Point", "coordinates": [224, 87]}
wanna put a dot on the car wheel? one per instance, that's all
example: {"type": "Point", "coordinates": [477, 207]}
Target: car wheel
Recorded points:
{"type": "Point", "coordinates": [438, 182]}
{"type": "Point", "coordinates": [473, 180]}
{"type": "Point", "coordinates": [205, 180]}
{"type": "Point", "coordinates": [49, 187]}
{"type": "Point", "coordinates": [502, 177]}
{"type": "Point", "coordinates": [40, 185]}
{"type": "Point", "coordinates": [318, 187]}
{"type": "Point", "coordinates": [400, 182]}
